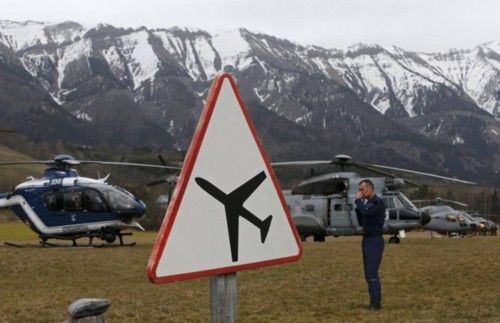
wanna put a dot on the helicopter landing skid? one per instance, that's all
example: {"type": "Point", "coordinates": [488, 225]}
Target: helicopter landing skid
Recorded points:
{"type": "Point", "coordinates": [44, 243]}
{"type": "Point", "coordinates": [48, 245]}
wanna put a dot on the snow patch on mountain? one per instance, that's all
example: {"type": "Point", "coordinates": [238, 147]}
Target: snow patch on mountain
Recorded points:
{"type": "Point", "coordinates": [116, 65]}
{"type": "Point", "coordinates": [141, 59]}
{"type": "Point", "coordinates": [206, 55]}
{"type": "Point", "coordinates": [172, 44]}
{"type": "Point", "coordinates": [21, 35]}
{"type": "Point", "coordinates": [457, 140]}
{"type": "Point", "coordinates": [83, 116]}
{"type": "Point", "coordinates": [261, 97]}
{"type": "Point", "coordinates": [233, 49]}
{"type": "Point", "coordinates": [383, 77]}
{"type": "Point", "coordinates": [78, 50]}
{"type": "Point", "coordinates": [476, 75]}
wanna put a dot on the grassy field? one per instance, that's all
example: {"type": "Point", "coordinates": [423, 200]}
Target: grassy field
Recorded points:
{"type": "Point", "coordinates": [424, 279]}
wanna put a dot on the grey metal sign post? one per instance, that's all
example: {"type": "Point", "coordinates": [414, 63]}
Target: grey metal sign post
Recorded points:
{"type": "Point", "coordinates": [223, 298]}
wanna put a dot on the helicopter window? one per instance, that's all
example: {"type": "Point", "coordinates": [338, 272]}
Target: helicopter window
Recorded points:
{"type": "Point", "coordinates": [337, 207]}
{"type": "Point", "coordinates": [451, 218]}
{"type": "Point", "coordinates": [389, 203]}
{"type": "Point", "coordinates": [54, 201]}
{"type": "Point", "coordinates": [93, 202]}
{"type": "Point", "coordinates": [73, 201]}
{"type": "Point", "coordinates": [309, 208]}
{"type": "Point", "coordinates": [118, 199]}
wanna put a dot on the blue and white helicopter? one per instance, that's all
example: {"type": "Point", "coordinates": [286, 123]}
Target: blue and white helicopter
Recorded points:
{"type": "Point", "coordinates": [63, 205]}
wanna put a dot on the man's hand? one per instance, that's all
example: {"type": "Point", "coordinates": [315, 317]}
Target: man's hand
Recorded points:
{"type": "Point", "coordinates": [359, 195]}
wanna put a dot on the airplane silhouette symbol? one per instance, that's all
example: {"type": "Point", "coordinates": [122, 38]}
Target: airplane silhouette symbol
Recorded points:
{"type": "Point", "coordinates": [233, 204]}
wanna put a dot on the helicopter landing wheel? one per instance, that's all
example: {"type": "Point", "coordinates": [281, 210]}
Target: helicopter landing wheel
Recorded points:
{"type": "Point", "coordinates": [108, 235]}
{"type": "Point", "coordinates": [319, 238]}
{"type": "Point", "coordinates": [395, 240]}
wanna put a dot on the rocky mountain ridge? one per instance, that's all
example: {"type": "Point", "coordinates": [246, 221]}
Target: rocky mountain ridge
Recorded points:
{"type": "Point", "coordinates": [126, 81]}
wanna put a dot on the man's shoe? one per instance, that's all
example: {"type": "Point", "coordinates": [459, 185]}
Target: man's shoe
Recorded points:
{"type": "Point", "coordinates": [375, 307]}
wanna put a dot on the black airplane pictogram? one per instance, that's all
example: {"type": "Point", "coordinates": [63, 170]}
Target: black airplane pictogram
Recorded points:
{"type": "Point", "coordinates": [233, 204]}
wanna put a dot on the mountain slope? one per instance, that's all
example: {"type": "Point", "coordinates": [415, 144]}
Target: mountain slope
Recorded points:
{"type": "Point", "coordinates": [146, 87]}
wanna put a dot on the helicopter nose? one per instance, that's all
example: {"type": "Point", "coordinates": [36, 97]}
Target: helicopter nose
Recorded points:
{"type": "Point", "coordinates": [425, 218]}
{"type": "Point", "coordinates": [141, 208]}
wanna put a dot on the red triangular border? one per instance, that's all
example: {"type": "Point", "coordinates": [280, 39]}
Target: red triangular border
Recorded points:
{"type": "Point", "coordinates": [184, 177]}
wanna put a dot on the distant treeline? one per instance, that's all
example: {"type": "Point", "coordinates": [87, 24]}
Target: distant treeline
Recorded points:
{"type": "Point", "coordinates": [484, 200]}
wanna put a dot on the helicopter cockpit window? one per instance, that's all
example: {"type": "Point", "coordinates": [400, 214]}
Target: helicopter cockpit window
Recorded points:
{"type": "Point", "coordinates": [73, 201]}
{"type": "Point", "coordinates": [451, 218]}
{"type": "Point", "coordinates": [93, 202]}
{"type": "Point", "coordinates": [118, 199]}
{"type": "Point", "coordinates": [54, 201]}
{"type": "Point", "coordinates": [389, 203]}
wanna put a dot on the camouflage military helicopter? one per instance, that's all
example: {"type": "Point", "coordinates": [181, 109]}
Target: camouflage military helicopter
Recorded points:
{"type": "Point", "coordinates": [447, 220]}
{"type": "Point", "coordinates": [323, 205]}
{"type": "Point", "coordinates": [490, 227]}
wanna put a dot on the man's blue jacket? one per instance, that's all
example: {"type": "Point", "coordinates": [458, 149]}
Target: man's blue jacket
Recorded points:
{"type": "Point", "coordinates": [371, 215]}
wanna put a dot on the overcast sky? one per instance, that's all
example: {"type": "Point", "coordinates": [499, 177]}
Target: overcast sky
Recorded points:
{"type": "Point", "coordinates": [420, 25]}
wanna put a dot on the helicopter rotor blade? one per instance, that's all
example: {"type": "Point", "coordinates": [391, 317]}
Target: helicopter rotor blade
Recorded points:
{"type": "Point", "coordinates": [439, 200]}
{"type": "Point", "coordinates": [421, 201]}
{"type": "Point", "coordinates": [98, 162]}
{"type": "Point", "coordinates": [27, 162]}
{"type": "Point", "coordinates": [455, 202]}
{"type": "Point", "coordinates": [170, 180]}
{"type": "Point", "coordinates": [423, 174]}
{"type": "Point", "coordinates": [157, 182]}
{"type": "Point", "coordinates": [378, 171]}
{"type": "Point", "coordinates": [303, 163]}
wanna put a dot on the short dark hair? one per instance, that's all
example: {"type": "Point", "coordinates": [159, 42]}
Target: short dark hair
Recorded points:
{"type": "Point", "coordinates": [367, 182]}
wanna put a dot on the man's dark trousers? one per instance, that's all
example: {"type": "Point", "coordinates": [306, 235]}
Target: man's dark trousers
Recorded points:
{"type": "Point", "coordinates": [373, 248]}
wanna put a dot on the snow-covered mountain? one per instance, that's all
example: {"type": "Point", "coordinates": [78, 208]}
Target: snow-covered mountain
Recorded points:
{"type": "Point", "coordinates": [386, 78]}
{"type": "Point", "coordinates": [160, 76]}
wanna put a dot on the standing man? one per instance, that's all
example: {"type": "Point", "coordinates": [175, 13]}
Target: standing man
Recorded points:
{"type": "Point", "coordinates": [370, 210]}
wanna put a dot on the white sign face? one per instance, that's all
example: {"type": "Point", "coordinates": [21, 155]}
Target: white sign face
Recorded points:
{"type": "Point", "coordinates": [227, 211]}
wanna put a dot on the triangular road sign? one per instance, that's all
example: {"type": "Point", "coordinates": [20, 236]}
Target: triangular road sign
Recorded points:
{"type": "Point", "coordinates": [227, 211]}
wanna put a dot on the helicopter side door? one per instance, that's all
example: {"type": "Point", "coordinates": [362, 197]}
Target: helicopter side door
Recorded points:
{"type": "Point", "coordinates": [340, 214]}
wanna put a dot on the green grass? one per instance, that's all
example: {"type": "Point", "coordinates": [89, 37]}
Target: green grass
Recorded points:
{"type": "Point", "coordinates": [424, 279]}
